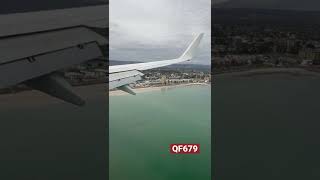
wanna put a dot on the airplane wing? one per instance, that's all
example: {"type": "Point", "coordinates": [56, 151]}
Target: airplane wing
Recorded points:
{"type": "Point", "coordinates": [35, 46]}
{"type": "Point", "coordinates": [121, 76]}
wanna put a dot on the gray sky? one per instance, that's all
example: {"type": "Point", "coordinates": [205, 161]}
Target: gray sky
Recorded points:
{"type": "Point", "coordinates": [147, 30]}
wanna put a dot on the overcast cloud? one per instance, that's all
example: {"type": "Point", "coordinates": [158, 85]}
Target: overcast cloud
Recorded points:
{"type": "Point", "coordinates": [143, 30]}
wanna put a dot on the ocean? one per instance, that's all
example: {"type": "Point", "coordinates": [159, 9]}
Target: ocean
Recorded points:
{"type": "Point", "coordinates": [46, 138]}
{"type": "Point", "coordinates": [142, 127]}
{"type": "Point", "coordinates": [266, 127]}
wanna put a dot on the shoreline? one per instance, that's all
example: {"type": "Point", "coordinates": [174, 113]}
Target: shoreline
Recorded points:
{"type": "Point", "coordinates": [32, 98]}
{"type": "Point", "coordinates": [269, 71]}
{"type": "Point", "coordinates": [157, 88]}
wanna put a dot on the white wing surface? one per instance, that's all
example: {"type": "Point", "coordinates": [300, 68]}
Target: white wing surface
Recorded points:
{"type": "Point", "coordinates": [32, 22]}
{"type": "Point", "coordinates": [121, 76]}
{"type": "Point", "coordinates": [35, 46]}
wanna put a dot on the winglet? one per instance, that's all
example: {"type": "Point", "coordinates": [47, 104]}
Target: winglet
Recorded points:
{"type": "Point", "coordinates": [190, 52]}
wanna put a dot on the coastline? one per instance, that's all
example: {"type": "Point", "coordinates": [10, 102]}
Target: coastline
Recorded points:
{"type": "Point", "coordinates": [158, 88]}
{"type": "Point", "coordinates": [270, 71]}
{"type": "Point", "coordinates": [32, 98]}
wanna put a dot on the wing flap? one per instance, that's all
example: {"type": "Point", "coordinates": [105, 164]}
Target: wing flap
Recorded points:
{"type": "Point", "coordinates": [25, 69]}
{"type": "Point", "coordinates": [15, 48]}
{"type": "Point", "coordinates": [124, 78]}
{"type": "Point", "coordinates": [127, 88]}
{"type": "Point", "coordinates": [55, 85]}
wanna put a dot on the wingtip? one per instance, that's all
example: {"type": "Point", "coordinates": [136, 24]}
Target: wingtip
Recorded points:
{"type": "Point", "coordinates": [192, 48]}
{"type": "Point", "coordinates": [201, 34]}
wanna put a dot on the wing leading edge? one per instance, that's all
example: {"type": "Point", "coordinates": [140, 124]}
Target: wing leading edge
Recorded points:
{"type": "Point", "coordinates": [121, 76]}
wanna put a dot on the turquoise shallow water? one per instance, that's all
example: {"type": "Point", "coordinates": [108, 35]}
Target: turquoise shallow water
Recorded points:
{"type": "Point", "coordinates": [141, 128]}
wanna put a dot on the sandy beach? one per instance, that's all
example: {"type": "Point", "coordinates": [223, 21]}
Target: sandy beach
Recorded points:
{"type": "Point", "coordinates": [161, 88]}
{"type": "Point", "coordinates": [36, 98]}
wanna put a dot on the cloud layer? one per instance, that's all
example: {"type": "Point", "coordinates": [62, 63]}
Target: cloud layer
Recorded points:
{"type": "Point", "coordinates": [154, 29]}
